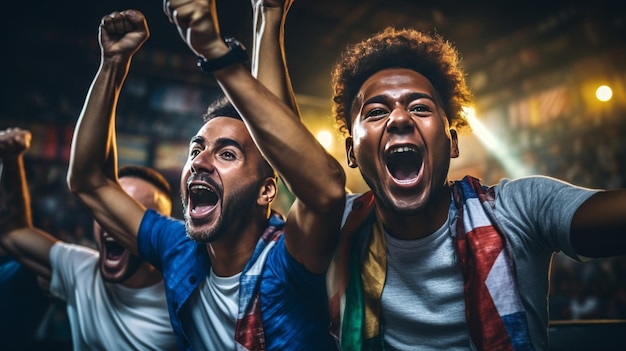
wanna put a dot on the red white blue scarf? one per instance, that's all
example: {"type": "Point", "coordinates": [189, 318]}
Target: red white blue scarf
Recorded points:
{"type": "Point", "coordinates": [493, 308]}
{"type": "Point", "coordinates": [249, 334]}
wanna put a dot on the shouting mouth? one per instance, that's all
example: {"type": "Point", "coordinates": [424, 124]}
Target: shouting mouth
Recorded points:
{"type": "Point", "coordinates": [114, 251]}
{"type": "Point", "coordinates": [404, 163]}
{"type": "Point", "coordinates": [114, 257]}
{"type": "Point", "coordinates": [202, 199]}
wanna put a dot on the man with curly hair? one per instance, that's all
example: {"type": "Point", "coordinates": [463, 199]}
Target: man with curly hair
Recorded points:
{"type": "Point", "coordinates": [432, 264]}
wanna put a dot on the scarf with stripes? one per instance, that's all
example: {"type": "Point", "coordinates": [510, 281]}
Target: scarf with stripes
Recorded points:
{"type": "Point", "coordinates": [493, 308]}
{"type": "Point", "coordinates": [249, 334]}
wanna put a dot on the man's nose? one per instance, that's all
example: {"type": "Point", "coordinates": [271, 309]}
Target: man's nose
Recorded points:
{"type": "Point", "coordinates": [202, 163]}
{"type": "Point", "coordinates": [399, 121]}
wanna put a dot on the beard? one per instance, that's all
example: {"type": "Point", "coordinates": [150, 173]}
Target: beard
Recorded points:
{"type": "Point", "coordinates": [236, 210]}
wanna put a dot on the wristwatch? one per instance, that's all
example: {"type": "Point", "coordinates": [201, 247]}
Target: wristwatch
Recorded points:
{"type": "Point", "coordinates": [236, 54]}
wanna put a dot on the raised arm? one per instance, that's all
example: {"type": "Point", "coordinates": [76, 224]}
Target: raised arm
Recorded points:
{"type": "Point", "coordinates": [93, 162]}
{"type": "Point", "coordinates": [269, 63]}
{"type": "Point", "coordinates": [313, 176]}
{"type": "Point", "coordinates": [17, 235]}
{"type": "Point", "coordinates": [599, 225]}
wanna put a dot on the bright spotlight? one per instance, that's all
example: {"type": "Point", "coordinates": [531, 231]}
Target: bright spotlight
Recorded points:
{"type": "Point", "coordinates": [604, 93]}
{"type": "Point", "coordinates": [494, 145]}
{"type": "Point", "coordinates": [326, 139]}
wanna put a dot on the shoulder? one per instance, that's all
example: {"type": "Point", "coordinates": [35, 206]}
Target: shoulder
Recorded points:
{"type": "Point", "coordinates": [350, 205]}
{"type": "Point", "coordinates": [152, 216]}
{"type": "Point", "coordinates": [154, 222]}
{"type": "Point", "coordinates": [64, 250]}
{"type": "Point", "coordinates": [539, 186]}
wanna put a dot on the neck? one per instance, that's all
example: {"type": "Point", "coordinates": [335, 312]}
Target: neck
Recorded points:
{"type": "Point", "coordinates": [420, 224]}
{"type": "Point", "coordinates": [144, 277]}
{"type": "Point", "coordinates": [230, 254]}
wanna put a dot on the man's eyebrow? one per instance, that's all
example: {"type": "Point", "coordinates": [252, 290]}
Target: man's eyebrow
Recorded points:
{"type": "Point", "coordinates": [222, 142]}
{"type": "Point", "coordinates": [197, 139]}
{"type": "Point", "coordinates": [381, 99]}
{"type": "Point", "coordinates": [415, 96]}
{"type": "Point", "coordinates": [378, 99]}
{"type": "Point", "coordinates": [219, 143]}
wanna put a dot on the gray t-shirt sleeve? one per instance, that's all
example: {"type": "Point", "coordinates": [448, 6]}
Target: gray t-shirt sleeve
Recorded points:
{"type": "Point", "coordinates": [538, 211]}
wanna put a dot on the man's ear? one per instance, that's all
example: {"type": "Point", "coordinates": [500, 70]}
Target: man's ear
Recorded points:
{"type": "Point", "coordinates": [454, 144]}
{"type": "Point", "coordinates": [350, 153]}
{"type": "Point", "coordinates": [268, 192]}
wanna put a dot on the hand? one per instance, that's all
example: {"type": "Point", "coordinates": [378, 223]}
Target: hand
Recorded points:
{"type": "Point", "coordinates": [196, 21]}
{"type": "Point", "coordinates": [122, 34]}
{"type": "Point", "coordinates": [14, 142]}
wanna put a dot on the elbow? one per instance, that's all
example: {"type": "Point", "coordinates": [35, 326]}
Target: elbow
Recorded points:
{"type": "Point", "coordinates": [334, 193]}
{"type": "Point", "coordinates": [79, 184]}
{"type": "Point", "coordinates": [73, 182]}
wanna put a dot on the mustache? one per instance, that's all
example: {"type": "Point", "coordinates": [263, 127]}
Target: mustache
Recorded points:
{"type": "Point", "coordinates": [205, 178]}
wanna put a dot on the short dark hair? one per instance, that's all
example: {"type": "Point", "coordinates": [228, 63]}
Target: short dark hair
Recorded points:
{"type": "Point", "coordinates": [429, 55]}
{"type": "Point", "coordinates": [222, 107]}
{"type": "Point", "coordinates": [148, 174]}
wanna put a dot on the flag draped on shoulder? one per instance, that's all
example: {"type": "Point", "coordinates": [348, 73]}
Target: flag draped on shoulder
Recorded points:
{"type": "Point", "coordinates": [493, 309]}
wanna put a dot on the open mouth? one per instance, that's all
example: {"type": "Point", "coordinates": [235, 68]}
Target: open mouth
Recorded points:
{"type": "Point", "coordinates": [114, 250]}
{"type": "Point", "coordinates": [202, 199]}
{"type": "Point", "coordinates": [404, 163]}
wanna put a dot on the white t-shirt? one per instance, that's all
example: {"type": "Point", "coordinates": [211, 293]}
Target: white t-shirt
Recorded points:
{"type": "Point", "coordinates": [107, 316]}
{"type": "Point", "coordinates": [215, 300]}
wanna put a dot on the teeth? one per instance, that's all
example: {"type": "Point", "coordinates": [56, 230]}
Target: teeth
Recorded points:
{"type": "Point", "coordinates": [199, 187]}
{"type": "Point", "coordinates": [109, 238]}
{"type": "Point", "coordinates": [404, 149]}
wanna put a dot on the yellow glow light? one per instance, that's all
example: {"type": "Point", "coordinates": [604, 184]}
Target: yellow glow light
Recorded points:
{"type": "Point", "coordinates": [604, 93]}
{"type": "Point", "coordinates": [325, 138]}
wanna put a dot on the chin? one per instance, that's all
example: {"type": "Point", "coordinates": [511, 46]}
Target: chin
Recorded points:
{"type": "Point", "coordinates": [122, 271]}
{"type": "Point", "coordinates": [115, 277]}
{"type": "Point", "coordinates": [403, 206]}
{"type": "Point", "coordinates": [200, 234]}
{"type": "Point", "coordinates": [407, 210]}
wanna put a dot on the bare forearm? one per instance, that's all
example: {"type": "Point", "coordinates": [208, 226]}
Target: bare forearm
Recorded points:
{"type": "Point", "coordinates": [31, 247]}
{"type": "Point", "coordinates": [17, 235]}
{"type": "Point", "coordinates": [93, 155]}
{"type": "Point", "coordinates": [284, 140]}
{"type": "Point", "coordinates": [599, 225]}
{"type": "Point", "coordinates": [15, 186]}
{"type": "Point", "coordinates": [268, 55]}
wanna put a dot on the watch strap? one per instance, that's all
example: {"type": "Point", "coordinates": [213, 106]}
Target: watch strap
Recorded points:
{"type": "Point", "coordinates": [236, 54]}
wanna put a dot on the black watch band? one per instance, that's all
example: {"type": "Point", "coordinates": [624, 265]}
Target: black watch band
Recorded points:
{"type": "Point", "coordinates": [236, 54]}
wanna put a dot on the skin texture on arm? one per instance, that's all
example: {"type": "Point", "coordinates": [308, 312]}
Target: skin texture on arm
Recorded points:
{"type": "Point", "coordinates": [92, 170]}
{"type": "Point", "coordinates": [17, 235]}
{"type": "Point", "coordinates": [599, 225]}
{"type": "Point", "coordinates": [269, 63]}
{"type": "Point", "coordinates": [311, 174]}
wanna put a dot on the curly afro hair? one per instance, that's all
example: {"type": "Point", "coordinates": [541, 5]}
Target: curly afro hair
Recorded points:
{"type": "Point", "coordinates": [430, 55]}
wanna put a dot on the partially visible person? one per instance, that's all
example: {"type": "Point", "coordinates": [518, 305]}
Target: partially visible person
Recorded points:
{"type": "Point", "coordinates": [237, 274]}
{"type": "Point", "coordinates": [115, 300]}
{"type": "Point", "coordinates": [428, 263]}
{"type": "Point", "coordinates": [23, 304]}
